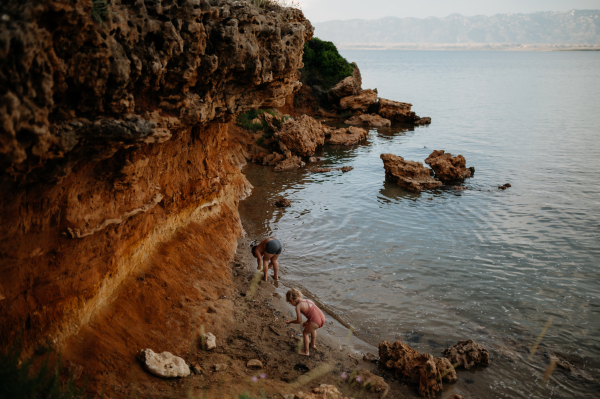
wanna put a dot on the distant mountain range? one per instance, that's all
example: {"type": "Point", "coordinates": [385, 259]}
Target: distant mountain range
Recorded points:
{"type": "Point", "coordinates": [571, 27]}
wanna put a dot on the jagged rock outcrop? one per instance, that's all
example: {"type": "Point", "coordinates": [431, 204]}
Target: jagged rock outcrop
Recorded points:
{"type": "Point", "coordinates": [447, 167]}
{"type": "Point", "coordinates": [349, 86]}
{"type": "Point", "coordinates": [467, 354]}
{"type": "Point", "coordinates": [446, 369]}
{"type": "Point", "coordinates": [368, 120]}
{"type": "Point", "coordinates": [163, 364]}
{"type": "Point", "coordinates": [114, 139]}
{"type": "Point", "coordinates": [301, 136]}
{"type": "Point", "coordinates": [408, 174]}
{"type": "Point", "coordinates": [350, 136]}
{"type": "Point", "coordinates": [396, 111]}
{"type": "Point", "coordinates": [411, 366]}
{"type": "Point", "coordinates": [359, 102]}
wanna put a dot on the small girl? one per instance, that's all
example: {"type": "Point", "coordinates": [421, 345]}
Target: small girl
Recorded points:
{"type": "Point", "coordinates": [315, 318]}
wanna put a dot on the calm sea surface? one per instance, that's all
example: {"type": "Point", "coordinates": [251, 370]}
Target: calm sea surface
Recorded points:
{"type": "Point", "coordinates": [493, 266]}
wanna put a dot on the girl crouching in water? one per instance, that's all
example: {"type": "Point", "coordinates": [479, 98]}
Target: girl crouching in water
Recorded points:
{"type": "Point", "coordinates": [315, 318]}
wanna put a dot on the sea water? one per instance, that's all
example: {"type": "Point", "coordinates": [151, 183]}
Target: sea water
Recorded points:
{"type": "Point", "coordinates": [445, 265]}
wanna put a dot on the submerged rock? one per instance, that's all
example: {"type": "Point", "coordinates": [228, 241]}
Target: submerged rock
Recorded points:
{"type": "Point", "coordinates": [351, 136]}
{"type": "Point", "coordinates": [408, 174]}
{"type": "Point", "coordinates": [291, 163]}
{"type": "Point", "coordinates": [373, 120]}
{"type": "Point", "coordinates": [301, 136]}
{"type": "Point", "coordinates": [359, 102]}
{"type": "Point", "coordinates": [447, 167]}
{"type": "Point", "coordinates": [411, 366]}
{"type": "Point", "coordinates": [283, 203]}
{"type": "Point", "coordinates": [423, 121]}
{"type": "Point", "coordinates": [467, 354]}
{"type": "Point", "coordinates": [164, 364]}
{"type": "Point", "coordinates": [344, 169]}
{"type": "Point", "coordinates": [504, 187]}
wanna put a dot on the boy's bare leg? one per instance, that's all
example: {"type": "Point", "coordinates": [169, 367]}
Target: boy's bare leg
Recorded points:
{"type": "Point", "coordinates": [275, 266]}
{"type": "Point", "coordinates": [266, 258]}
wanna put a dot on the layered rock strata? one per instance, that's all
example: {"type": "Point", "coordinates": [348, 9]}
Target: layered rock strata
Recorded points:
{"type": "Point", "coordinates": [447, 167]}
{"type": "Point", "coordinates": [410, 175]}
{"type": "Point", "coordinates": [114, 139]}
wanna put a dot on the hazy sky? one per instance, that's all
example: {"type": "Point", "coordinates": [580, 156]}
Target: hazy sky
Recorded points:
{"type": "Point", "coordinates": [326, 10]}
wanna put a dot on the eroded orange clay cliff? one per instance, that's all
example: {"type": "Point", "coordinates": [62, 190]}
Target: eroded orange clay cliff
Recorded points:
{"type": "Point", "coordinates": [119, 182]}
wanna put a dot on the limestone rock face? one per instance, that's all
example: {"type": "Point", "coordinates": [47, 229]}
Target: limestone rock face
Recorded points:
{"type": "Point", "coordinates": [350, 86]}
{"type": "Point", "coordinates": [291, 163]}
{"type": "Point", "coordinates": [114, 138]}
{"type": "Point", "coordinates": [467, 354]}
{"type": "Point", "coordinates": [351, 136]}
{"type": "Point", "coordinates": [408, 174]}
{"type": "Point", "coordinates": [359, 102]}
{"type": "Point", "coordinates": [447, 167]}
{"type": "Point", "coordinates": [396, 111]}
{"type": "Point", "coordinates": [411, 366]}
{"type": "Point", "coordinates": [164, 364]}
{"type": "Point", "coordinates": [373, 120]}
{"type": "Point", "coordinates": [301, 136]}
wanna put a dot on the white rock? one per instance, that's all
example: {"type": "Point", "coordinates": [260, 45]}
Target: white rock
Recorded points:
{"type": "Point", "coordinates": [163, 364]}
{"type": "Point", "coordinates": [209, 342]}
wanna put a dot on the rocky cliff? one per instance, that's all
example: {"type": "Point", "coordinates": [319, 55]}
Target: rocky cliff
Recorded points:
{"type": "Point", "coordinates": [114, 150]}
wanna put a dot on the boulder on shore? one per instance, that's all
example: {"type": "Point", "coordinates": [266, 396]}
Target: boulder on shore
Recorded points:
{"type": "Point", "coordinates": [396, 111]}
{"type": "Point", "coordinates": [408, 174]}
{"type": "Point", "coordinates": [350, 86]}
{"type": "Point", "coordinates": [359, 102]}
{"type": "Point", "coordinates": [467, 354]}
{"type": "Point", "coordinates": [373, 120]}
{"type": "Point", "coordinates": [301, 136]}
{"type": "Point", "coordinates": [411, 366]}
{"type": "Point", "coordinates": [351, 136]}
{"type": "Point", "coordinates": [447, 167]}
{"type": "Point", "coordinates": [163, 364]}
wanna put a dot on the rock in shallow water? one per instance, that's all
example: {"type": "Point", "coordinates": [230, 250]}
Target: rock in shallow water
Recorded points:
{"type": "Point", "coordinates": [447, 167]}
{"type": "Point", "coordinates": [164, 364]}
{"type": "Point", "coordinates": [408, 174]}
{"type": "Point", "coordinates": [369, 120]}
{"type": "Point", "coordinates": [467, 354]}
{"type": "Point", "coordinates": [283, 203]}
{"type": "Point", "coordinates": [351, 136]}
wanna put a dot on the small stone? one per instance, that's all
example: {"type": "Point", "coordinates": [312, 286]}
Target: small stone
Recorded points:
{"type": "Point", "coordinates": [370, 357]}
{"type": "Point", "coordinates": [220, 367]}
{"type": "Point", "coordinates": [283, 203]}
{"type": "Point", "coordinates": [209, 341]}
{"type": "Point", "coordinates": [211, 309]}
{"type": "Point", "coordinates": [504, 187]}
{"type": "Point", "coordinates": [313, 159]}
{"type": "Point", "coordinates": [254, 363]}
{"type": "Point", "coordinates": [197, 370]}
{"type": "Point", "coordinates": [347, 169]}
{"type": "Point", "coordinates": [163, 364]}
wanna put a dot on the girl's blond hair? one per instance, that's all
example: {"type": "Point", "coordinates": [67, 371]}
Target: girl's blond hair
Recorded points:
{"type": "Point", "coordinates": [292, 295]}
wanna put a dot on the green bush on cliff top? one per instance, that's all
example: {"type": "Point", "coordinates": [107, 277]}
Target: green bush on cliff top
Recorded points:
{"type": "Point", "coordinates": [323, 64]}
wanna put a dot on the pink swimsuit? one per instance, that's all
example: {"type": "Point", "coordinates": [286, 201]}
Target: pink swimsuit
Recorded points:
{"type": "Point", "coordinates": [314, 314]}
